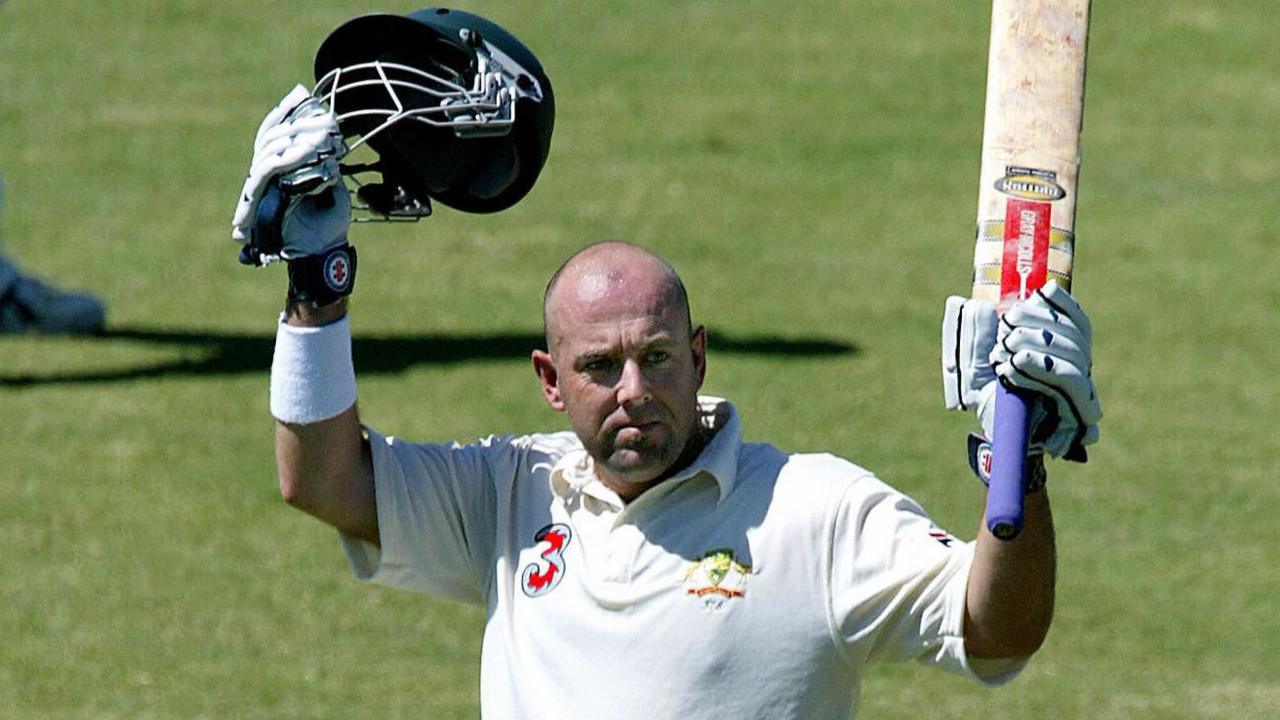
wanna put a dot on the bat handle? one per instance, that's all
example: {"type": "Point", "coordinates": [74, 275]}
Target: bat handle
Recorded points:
{"type": "Point", "coordinates": [1008, 465]}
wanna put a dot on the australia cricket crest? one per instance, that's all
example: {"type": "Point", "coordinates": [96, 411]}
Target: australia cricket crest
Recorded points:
{"type": "Point", "coordinates": [716, 577]}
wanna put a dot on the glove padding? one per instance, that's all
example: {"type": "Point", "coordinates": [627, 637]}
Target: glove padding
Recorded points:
{"type": "Point", "coordinates": [1042, 345]}
{"type": "Point", "coordinates": [295, 175]}
{"type": "Point", "coordinates": [968, 335]}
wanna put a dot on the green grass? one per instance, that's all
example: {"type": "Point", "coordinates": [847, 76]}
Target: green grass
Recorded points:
{"type": "Point", "coordinates": [808, 167]}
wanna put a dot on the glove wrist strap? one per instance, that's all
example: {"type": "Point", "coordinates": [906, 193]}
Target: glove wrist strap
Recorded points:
{"type": "Point", "coordinates": [980, 463]}
{"type": "Point", "coordinates": [325, 278]}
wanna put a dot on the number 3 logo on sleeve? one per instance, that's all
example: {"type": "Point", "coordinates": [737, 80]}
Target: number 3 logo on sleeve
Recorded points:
{"type": "Point", "coordinates": [541, 577]}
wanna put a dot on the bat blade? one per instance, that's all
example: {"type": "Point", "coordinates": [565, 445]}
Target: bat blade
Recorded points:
{"type": "Point", "coordinates": [1027, 194]}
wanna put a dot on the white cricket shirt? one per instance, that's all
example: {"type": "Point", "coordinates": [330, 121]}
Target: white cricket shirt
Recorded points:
{"type": "Point", "coordinates": [755, 584]}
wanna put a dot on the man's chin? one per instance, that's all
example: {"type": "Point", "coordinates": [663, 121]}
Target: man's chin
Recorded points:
{"type": "Point", "coordinates": [633, 467]}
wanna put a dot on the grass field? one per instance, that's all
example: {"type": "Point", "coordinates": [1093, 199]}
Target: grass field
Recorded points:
{"type": "Point", "coordinates": [809, 167]}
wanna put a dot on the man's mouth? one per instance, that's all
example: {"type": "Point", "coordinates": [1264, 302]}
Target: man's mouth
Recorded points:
{"type": "Point", "coordinates": [633, 433]}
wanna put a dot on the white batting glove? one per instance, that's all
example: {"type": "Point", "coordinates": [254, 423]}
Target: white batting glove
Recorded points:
{"type": "Point", "coordinates": [1042, 345]}
{"type": "Point", "coordinates": [298, 142]}
{"type": "Point", "coordinates": [968, 335]}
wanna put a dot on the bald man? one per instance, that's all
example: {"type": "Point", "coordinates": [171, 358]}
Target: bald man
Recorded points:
{"type": "Point", "coordinates": [648, 563]}
{"type": "Point", "coordinates": [624, 362]}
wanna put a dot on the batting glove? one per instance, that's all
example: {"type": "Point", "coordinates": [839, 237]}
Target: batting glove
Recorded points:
{"type": "Point", "coordinates": [297, 142]}
{"type": "Point", "coordinates": [293, 205]}
{"type": "Point", "coordinates": [1042, 345]}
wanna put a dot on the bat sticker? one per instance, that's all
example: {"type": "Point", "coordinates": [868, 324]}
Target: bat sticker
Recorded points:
{"type": "Point", "coordinates": [1026, 247]}
{"type": "Point", "coordinates": [1031, 184]}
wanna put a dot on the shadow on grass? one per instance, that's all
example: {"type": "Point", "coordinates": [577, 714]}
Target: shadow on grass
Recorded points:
{"type": "Point", "coordinates": [222, 353]}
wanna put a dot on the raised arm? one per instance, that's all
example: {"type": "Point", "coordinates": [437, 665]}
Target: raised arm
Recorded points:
{"type": "Point", "coordinates": [1042, 347]}
{"type": "Point", "coordinates": [325, 467]}
{"type": "Point", "coordinates": [294, 208]}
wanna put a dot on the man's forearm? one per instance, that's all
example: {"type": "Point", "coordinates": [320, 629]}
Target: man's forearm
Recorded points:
{"type": "Point", "coordinates": [325, 467]}
{"type": "Point", "coordinates": [1009, 604]}
{"type": "Point", "coordinates": [326, 470]}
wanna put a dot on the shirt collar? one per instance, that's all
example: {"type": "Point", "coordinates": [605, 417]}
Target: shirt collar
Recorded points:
{"type": "Point", "coordinates": [575, 473]}
{"type": "Point", "coordinates": [719, 457]}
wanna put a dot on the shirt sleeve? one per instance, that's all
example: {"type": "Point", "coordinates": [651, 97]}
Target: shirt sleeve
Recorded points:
{"type": "Point", "coordinates": [436, 517]}
{"type": "Point", "coordinates": [898, 585]}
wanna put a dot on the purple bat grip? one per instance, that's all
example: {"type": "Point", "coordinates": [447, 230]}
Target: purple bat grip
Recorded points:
{"type": "Point", "coordinates": [1008, 465]}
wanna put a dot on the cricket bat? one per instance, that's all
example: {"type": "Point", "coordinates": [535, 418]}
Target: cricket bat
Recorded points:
{"type": "Point", "coordinates": [1027, 195]}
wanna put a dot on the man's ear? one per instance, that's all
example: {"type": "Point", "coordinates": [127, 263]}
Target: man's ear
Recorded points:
{"type": "Point", "coordinates": [548, 378]}
{"type": "Point", "coordinates": [699, 346]}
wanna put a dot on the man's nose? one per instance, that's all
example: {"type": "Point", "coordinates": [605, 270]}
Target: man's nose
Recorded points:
{"type": "Point", "coordinates": [633, 386]}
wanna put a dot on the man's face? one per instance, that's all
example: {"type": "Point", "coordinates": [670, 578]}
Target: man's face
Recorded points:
{"type": "Point", "coordinates": [626, 369]}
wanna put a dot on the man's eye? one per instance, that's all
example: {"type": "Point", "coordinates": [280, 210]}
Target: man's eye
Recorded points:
{"type": "Point", "coordinates": [657, 357]}
{"type": "Point", "coordinates": [597, 366]}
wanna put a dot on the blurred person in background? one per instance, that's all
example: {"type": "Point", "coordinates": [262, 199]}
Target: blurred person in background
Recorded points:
{"type": "Point", "coordinates": [31, 305]}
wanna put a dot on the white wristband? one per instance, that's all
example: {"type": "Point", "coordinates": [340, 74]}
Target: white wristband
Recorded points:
{"type": "Point", "coordinates": [312, 378]}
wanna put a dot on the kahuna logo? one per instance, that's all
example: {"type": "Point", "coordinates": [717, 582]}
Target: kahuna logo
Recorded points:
{"type": "Point", "coordinates": [1030, 184]}
{"type": "Point", "coordinates": [543, 575]}
{"type": "Point", "coordinates": [337, 271]}
{"type": "Point", "coordinates": [716, 577]}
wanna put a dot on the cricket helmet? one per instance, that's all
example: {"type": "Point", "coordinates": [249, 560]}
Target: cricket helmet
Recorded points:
{"type": "Point", "coordinates": [456, 108]}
